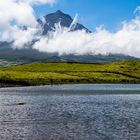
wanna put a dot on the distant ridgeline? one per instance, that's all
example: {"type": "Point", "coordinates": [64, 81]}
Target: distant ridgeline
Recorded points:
{"type": "Point", "coordinates": [24, 56]}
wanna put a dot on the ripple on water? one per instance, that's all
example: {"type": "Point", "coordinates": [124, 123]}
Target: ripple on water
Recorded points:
{"type": "Point", "coordinates": [41, 116]}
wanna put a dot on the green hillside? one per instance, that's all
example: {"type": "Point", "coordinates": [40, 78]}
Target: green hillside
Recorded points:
{"type": "Point", "coordinates": [64, 73]}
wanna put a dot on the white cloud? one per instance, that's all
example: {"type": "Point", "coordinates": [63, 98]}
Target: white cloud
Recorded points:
{"type": "Point", "coordinates": [17, 13]}
{"type": "Point", "coordinates": [19, 10]}
{"type": "Point", "coordinates": [32, 2]}
{"type": "Point", "coordinates": [137, 10]}
{"type": "Point", "coordinates": [20, 37]}
{"type": "Point", "coordinates": [125, 41]}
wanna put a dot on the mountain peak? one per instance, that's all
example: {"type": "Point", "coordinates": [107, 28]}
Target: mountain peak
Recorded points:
{"type": "Point", "coordinates": [64, 19]}
{"type": "Point", "coordinates": [59, 12]}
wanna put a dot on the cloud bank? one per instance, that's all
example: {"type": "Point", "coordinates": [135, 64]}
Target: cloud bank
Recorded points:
{"type": "Point", "coordinates": [125, 41]}
{"type": "Point", "coordinates": [15, 14]}
{"type": "Point", "coordinates": [21, 13]}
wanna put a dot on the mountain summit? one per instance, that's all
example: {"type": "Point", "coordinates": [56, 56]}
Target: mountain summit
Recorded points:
{"type": "Point", "coordinates": [64, 19]}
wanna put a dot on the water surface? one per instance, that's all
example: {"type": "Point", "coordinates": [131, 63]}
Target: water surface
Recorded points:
{"type": "Point", "coordinates": [70, 112]}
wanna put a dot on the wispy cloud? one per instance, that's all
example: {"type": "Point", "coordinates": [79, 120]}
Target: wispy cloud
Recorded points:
{"type": "Point", "coordinates": [137, 10]}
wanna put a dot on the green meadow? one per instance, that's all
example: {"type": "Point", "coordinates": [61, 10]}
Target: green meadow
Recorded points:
{"type": "Point", "coordinates": [70, 73]}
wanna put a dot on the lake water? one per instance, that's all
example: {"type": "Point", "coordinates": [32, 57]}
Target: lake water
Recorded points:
{"type": "Point", "coordinates": [70, 112]}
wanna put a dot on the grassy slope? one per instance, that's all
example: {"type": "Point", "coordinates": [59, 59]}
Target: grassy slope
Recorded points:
{"type": "Point", "coordinates": [62, 73]}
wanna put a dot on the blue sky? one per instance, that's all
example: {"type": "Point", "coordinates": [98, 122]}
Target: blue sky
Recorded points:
{"type": "Point", "coordinates": [93, 13]}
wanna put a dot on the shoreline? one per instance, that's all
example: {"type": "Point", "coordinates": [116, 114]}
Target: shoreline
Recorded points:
{"type": "Point", "coordinates": [75, 89]}
{"type": "Point", "coordinates": [62, 84]}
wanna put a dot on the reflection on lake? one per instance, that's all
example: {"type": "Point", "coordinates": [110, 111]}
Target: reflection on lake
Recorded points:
{"type": "Point", "coordinates": [70, 112]}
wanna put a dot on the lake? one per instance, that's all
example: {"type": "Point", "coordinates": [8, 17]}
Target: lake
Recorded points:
{"type": "Point", "coordinates": [70, 112]}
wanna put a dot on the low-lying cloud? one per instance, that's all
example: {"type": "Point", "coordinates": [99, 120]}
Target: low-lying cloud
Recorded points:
{"type": "Point", "coordinates": [125, 41]}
